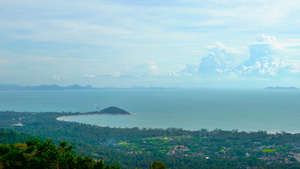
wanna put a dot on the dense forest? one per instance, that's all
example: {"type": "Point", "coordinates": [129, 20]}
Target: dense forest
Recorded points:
{"type": "Point", "coordinates": [35, 155]}
{"type": "Point", "coordinates": [140, 147]}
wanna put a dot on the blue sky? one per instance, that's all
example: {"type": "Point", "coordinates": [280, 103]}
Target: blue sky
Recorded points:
{"type": "Point", "coordinates": [124, 43]}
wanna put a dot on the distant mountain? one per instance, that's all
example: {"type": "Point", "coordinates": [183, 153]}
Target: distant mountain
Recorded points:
{"type": "Point", "coordinates": [4, 87]}
{"type": "Point", "coordinates": [280, 88]}
{"type": "Point", "coordinates": [14, 87]}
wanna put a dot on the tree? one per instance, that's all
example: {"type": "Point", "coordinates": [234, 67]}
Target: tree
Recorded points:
{"type": "Point", "coordinates": [37, 155]}
{"type": "Point", "coordinates": [158, 165]}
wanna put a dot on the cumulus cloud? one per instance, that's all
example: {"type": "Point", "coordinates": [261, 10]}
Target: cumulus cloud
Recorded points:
{"type": "Point", "coordinates": [261, 60]}
{"type": "Point", "coordinates": [270, 58]}
{"type": "Point", "coordinates": [265, 57]}
{"type": "Point", "coordinates": [265, 38]}
{"type": "Point", "coordinates": [187, 70]}
{"type": "Point", "coordinates": [221, 59]}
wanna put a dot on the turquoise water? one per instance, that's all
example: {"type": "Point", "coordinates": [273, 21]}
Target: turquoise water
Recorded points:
{"type": "Point", "coordinates": [193, 109]}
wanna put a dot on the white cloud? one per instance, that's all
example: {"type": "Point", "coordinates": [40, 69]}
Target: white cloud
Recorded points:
{"type": "Point", "coordinates": [228, 57]}
{"type": "Point", "coordinates": [265, 57]}
{"type": "Point", "coordinates": [58, 77]}
{"type": "Point", "coordinates": [261, 79]}
{"type": "Point", "coordinates": [187, 70]}
{"type": "Point", "coordinates": [89, 75]}
{"type": "Point", "coordinates": [152, 65]}
{"type": "Point", "coordinates": [265, 38]}
{"type": "Point", "coordinates": [293, 66]}
{"type": "Point", "coordinates": [221, 59]}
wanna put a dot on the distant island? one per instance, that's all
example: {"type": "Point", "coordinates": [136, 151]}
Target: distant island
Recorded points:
{"type": "Point", "coordinates": [54, 87]}
{"type": "Point", "coordinates": [281, 88]}
{"type": "Point", "coordinates": [5, 87]}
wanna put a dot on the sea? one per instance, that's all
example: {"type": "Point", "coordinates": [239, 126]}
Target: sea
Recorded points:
{"type": "Point", "coordinates": [189, 109]}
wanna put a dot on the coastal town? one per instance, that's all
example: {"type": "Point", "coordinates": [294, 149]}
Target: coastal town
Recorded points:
{"type": "Point", "coordinates": [191, 146]}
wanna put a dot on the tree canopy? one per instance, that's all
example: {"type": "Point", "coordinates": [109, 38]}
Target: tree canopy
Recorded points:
{"type": "Point", "coordinates": [36, 155]}
{"type": "Point", "coordinates": [158, 165]}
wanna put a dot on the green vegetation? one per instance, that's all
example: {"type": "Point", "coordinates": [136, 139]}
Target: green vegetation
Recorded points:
{"type": "Point", "coordinates": [158, 165]}
{"type": "Point", "coordinates": [267, 150]}
{"type": "Point", "coordinates": [176, 148]}
{"type": "Point", "coordinates": [36, 155]}
{"type": "Point", "coordinates": [115, 111]}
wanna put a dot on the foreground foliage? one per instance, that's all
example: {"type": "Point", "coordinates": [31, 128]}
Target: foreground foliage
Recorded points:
{"type": "Point", "coordinates": [36, 155]}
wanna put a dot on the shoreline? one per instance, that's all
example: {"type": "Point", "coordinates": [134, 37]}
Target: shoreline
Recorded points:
{"type": "Point", "coordinates": [59, 118]}
{"type": "Point", "coordinates": [276, 131]}
{"type": "Point", "coordinates": [247, 131]}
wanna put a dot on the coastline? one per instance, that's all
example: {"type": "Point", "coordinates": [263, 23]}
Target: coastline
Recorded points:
{"type": "Point", "coordinates": [281, 131]}
{"type": "Point", "coordinates": [247, 131]}
{"type": "Point", "coordinates": [59, 118]}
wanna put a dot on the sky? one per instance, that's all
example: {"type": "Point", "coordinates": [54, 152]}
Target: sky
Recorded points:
{"type": "Point", "coordinates": [170, 43]}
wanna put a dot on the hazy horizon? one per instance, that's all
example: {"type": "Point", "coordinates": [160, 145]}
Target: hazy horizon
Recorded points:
{"type": "Point", "coordinates": [186, 44]}
{"type": "Point", "coordinates": [141, 87]}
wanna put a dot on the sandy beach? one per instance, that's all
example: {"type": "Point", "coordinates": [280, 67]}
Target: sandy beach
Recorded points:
{"type": "Point", "coordinates": [60, 118]}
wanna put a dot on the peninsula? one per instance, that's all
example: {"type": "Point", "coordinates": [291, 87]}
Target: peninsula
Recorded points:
{"type": "Point", "coordinates": [114, 111]}
{"type": "Point", "coordinates": [110, 111]}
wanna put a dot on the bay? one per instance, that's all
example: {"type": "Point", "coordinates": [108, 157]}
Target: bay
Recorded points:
{"type": "Point", "coordinates": [192, 109]}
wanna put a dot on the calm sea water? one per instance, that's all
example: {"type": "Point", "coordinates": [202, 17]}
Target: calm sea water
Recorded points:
{"type": "Point", "coordinates": [193, 109]}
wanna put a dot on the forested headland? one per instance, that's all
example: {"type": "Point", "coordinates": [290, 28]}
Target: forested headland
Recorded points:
{"type": "Point", "coordinates": [139, 147]}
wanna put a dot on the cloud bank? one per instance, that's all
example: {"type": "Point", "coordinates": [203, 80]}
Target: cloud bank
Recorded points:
{"type": "Point", "coordinates": [262, 59]}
